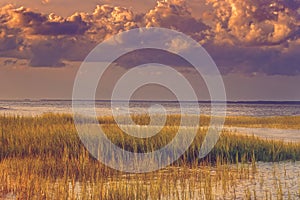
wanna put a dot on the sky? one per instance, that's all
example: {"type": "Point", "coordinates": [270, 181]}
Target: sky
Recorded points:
{"type": "Point", "coordinates": [254, 43]}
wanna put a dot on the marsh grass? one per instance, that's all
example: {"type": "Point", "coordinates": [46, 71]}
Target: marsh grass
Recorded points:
{"type": "Point", "coordinates": [56, 136]}
{"type": "Point", "coordinates": [43, 158]}
{"type": "Point", "coordinates": [26, 180]}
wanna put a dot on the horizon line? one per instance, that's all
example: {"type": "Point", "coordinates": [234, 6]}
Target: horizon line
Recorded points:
{"type": "Point", "coordinates": [169, 101]}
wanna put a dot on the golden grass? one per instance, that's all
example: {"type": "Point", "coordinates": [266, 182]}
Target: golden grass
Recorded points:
{"type": "Point", "coordinates": [43, 158]}
{"type": "Point", "coordinates": [280, 122]}
{"type": "Point", "coordinates": [56, 135]}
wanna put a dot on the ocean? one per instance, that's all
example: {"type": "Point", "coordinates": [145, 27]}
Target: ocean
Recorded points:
{"type": "Point", "coordinates": [263, 108]}
{"type": "Point", "coordinates": [103, 108]}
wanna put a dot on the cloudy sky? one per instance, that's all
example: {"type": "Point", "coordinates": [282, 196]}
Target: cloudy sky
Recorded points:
{"type": "Point", "coordinates": [254, 43]}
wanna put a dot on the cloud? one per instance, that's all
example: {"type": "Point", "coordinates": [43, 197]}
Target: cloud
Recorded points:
{"type": "Point", "coordinates": [145, 56]}
{"type": "Point", "coordinates": [45, 40]}
{"type": "Point", "coordinates": [176, 15]}
{"type": "Point", "coordinates": [8, 42]}
{"type": "Point", "coordinates": [39, 24]}
{"type": "Point", "coordinates": [46, 54]}
{"type": "Point", "coordinates": [255, 22]}
{"type": "Point", "coordinates": [251, 60]}
{"type": "Point", "coordinates": [74, 27]}
{"type": "Point", "coordinates": [249, 37]}
{"type": "Point", "coordinates": [109, 20]}
{"type": "Point", "coordinates": [45, 1]}
{"type": "Point", "coordinates": [254, 37]}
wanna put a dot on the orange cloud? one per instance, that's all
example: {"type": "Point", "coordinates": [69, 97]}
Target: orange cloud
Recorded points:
{"type": "Point", "coordinates": [248, 36]}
